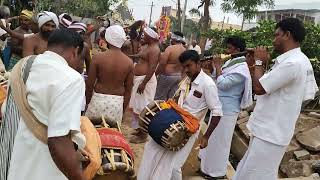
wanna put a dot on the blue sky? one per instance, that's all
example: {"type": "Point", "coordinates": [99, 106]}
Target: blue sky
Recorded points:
{"type": "Point", "coordinates": [141, 8]}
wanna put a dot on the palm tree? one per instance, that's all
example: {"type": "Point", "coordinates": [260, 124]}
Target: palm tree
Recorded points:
{"type": "Point", "coordinates": [179, 14]}
{"type": "Point", "coordinates": [205, 20]}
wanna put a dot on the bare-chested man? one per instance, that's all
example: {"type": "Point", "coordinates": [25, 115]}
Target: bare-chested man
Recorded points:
{"type": "Point", "coordinates": [81, 28]}
{"type": "Point", "coordinates": [132, 45]}
{"type": "Point", "coordinates": [145, 82]}
{"type": "Point", "coordinates": [110, 80]}
{"type": "Point", "coordinates": [37, 43]}
{"type": "Point", "coordinates": [169, 69]}
{"type": "Point", "coordinates": [17, 36]}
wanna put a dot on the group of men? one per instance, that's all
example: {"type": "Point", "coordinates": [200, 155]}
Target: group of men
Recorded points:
{"type": "Point", "coordinates": [54, 94]}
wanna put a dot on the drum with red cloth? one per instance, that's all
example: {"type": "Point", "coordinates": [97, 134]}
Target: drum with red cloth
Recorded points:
{"type": "Point", "coordinates": [117, 156]}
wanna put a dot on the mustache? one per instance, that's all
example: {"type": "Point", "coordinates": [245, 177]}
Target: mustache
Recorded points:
{"type": "Point", "coordinates": [46, 34]}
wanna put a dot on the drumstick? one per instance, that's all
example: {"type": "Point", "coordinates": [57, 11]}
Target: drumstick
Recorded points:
{"type": "Point", "coordinates": [118, 125]}
{"type": "Point", "coordinates": [104, 122]}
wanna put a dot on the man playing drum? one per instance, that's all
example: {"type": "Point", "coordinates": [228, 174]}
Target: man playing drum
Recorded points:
{"type": "Point", "coordinates": [54, 91]}
{"type": "Point", "coordinates": [198, 93]}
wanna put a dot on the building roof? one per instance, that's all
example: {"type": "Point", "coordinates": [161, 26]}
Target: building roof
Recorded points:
{"type": "Point", "coordinates": [310, 7]}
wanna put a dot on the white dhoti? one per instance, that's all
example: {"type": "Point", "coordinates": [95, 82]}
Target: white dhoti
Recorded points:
{"type": "Point", "coordinates": [140, 101]}
{"type": "Point", "coordinates": [214, 158]}
{"type": "Point", "coordinates": [261, 161]}
{"type": "Point", "coordinates": [159, 163]}
{"type": "Point", "coordinates": [108, 106]}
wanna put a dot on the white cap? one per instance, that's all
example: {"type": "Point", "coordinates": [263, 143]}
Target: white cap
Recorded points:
{"type": "Point", "coordinates": [115, 35]}
{"type": "Point", "coordinates": [150, 32]}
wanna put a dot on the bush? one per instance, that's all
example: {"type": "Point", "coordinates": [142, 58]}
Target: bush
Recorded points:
{"type": "Point", "coordinates": [263, 36]}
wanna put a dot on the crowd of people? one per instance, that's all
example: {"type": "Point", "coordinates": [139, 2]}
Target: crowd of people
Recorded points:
{"type": "Point", "coordinates": [55, 79]}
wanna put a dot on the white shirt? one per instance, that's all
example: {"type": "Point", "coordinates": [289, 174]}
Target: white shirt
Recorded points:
{"type": "Point", "coordinates": [196, 48]}
{"type": "Point", "coordinates": [287, 85]}
{"type": "Point", "coordinates": [203, 95]}
{"type": "Point", "coordinates": [55, 93]}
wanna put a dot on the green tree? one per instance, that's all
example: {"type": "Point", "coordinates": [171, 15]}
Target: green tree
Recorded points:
{"type": "Point", "coordinates": [264, 35]}
{"type": "Point", "coordinates": [83, 8]}
{"type": "Point", "coordinates": [190, 28]}
{"type": "Point", "coordinates": [205, 20]}
{"type": "Point", "coordinates": [247, 8]}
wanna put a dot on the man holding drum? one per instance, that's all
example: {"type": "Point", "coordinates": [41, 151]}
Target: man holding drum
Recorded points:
{"type": "Point", "coordinates": [198, 93]}
{"type": "Point", "coordinates": [42, 117]}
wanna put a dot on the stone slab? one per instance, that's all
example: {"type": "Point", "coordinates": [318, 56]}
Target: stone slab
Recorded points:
{"type": "Point", "coordinates": [310, 139]}
{"type": "Point", "coordinates": [302, 155]}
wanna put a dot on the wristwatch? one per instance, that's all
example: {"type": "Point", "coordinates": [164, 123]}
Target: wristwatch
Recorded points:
{"type": "Point", "coordinates": [259, 63]}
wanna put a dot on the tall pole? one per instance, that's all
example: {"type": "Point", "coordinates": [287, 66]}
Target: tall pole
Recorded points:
{"type": "Point", "coordinates": [151, 14]}
{"type": "Point", "coordinates": [184, 15]}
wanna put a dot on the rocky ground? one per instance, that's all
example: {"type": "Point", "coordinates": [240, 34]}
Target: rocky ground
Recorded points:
{"type": "Point", "coordinates": [302, 157]}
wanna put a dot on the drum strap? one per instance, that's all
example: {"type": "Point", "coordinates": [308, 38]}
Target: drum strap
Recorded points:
{"type": "Point", "coordinates": [18, 78]}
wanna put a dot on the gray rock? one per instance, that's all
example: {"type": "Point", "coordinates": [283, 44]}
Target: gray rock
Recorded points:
{"type": "Point", "coordinates": [293, 146]}
{"type": "Point", "coordinates": [314, 114]}
{"type": "Point", "coordinates": [251, 108]}
{"type": "Point", "coordinates": [243, 120]}
{"type": "Point", "coordinates": [244, 130]}
{"type": "Point", "coordinates": [298, 168]}
{"type": "Point", "coordinates": [302, 155]}
{"type": "Point", "coordinates": [310, 139]}
{"type": "Point", "coordinates": [243, 114]}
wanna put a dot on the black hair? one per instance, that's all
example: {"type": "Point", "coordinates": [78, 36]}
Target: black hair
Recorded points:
{"type": "Point", "coordinates": [189, 55]}
{"type": "Point", "coordinates": [178, 33]}
{"type": "Point", "coordinates": [66, 38]}
{"type": "Point", "coordinates": [294, 26]}
{"type": "Point", "coordinates": [236, 42]}
{"type": "Point", "coordinates": [133, 34]}
{"type": "Point", "coordinates": [67, 17]}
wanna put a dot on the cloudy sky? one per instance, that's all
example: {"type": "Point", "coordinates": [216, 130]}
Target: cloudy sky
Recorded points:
{"type": "Point", "coordinates": [141, 8]}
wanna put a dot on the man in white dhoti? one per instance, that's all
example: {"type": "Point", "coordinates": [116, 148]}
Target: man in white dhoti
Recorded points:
{"type": "Point", "coordinates": [144, 82]}
{"type": "Point", "coordinates": [198, 93]}
{"type": "Point", "coordinates": [280, 95]}
{"type": "Point", "coordinates": [110, 80]}
{"type": "Point", "coordinates": [235, 92]}
{"type": "Point", "coordinates": [53, 95]}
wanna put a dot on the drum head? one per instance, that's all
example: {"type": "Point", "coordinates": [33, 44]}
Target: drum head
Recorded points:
{"type": "Point", "coordinates": [173, 139]}
{"type": "Point", "coordinates": [161, 122]}
{"type": "Point", "coordinates": [145, 116]}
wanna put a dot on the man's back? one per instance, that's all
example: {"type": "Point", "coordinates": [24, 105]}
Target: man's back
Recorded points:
{"type": "Point", "coordinates": [173, 64]}
{"type": "Point", "coordinates": [52, 88]}
{"type": "Point", "coordinates": [113, 68]}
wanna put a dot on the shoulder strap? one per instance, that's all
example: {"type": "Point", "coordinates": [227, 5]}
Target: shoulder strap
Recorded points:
{"type": "Point", "coordinates": [27, 68]}
{"type": "Point", "coordinates": [17, 84]}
